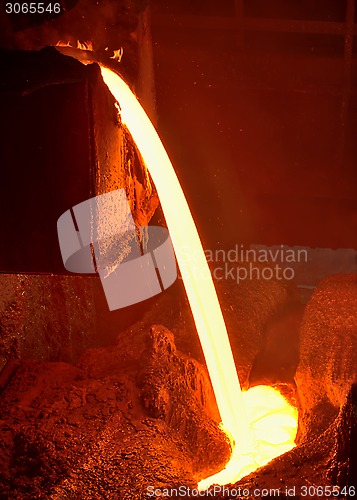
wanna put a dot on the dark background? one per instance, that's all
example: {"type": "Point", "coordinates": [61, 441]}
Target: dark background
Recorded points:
{"type": "Point", "coordinates": [256, 104]}
{"type": "Point", "coordinates": [257, 108]}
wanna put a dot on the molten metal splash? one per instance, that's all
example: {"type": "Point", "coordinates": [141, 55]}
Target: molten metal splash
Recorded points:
{"type": "Point", "coordinates": [273, 424]}
{"type": "Point", "coordinates": [250, 449]}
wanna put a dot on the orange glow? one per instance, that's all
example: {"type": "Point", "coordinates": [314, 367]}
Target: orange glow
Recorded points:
{"type": "Point", "coordinates": [243, 425]}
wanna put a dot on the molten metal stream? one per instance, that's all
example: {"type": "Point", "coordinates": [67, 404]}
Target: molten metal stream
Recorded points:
{"type": "Point", "coordinates": [195, 272]}
{"type": "Point", "coordinates": [200, 290]}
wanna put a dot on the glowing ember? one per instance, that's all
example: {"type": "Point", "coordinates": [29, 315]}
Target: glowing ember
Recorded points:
{"type": "Point", "coordinates": [245, 428]}
{"type": "Point", "coordinates": [79, 45]}
{"type": "Point", "coordinates": [61, 43]}
{"type": "Point", "coordinates": [118, 54]}
{"type": "Point", "coordinates": [84, 45]}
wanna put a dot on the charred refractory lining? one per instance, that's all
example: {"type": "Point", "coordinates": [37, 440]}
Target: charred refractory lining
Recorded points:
{"type": "Point", "coordinates": [157, 423]}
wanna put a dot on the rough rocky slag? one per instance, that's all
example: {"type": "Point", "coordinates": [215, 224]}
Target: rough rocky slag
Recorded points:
{"type": "Point", "coordinates": [128, 415]}
{"type": "Point", "coordinates": [328, 353]}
